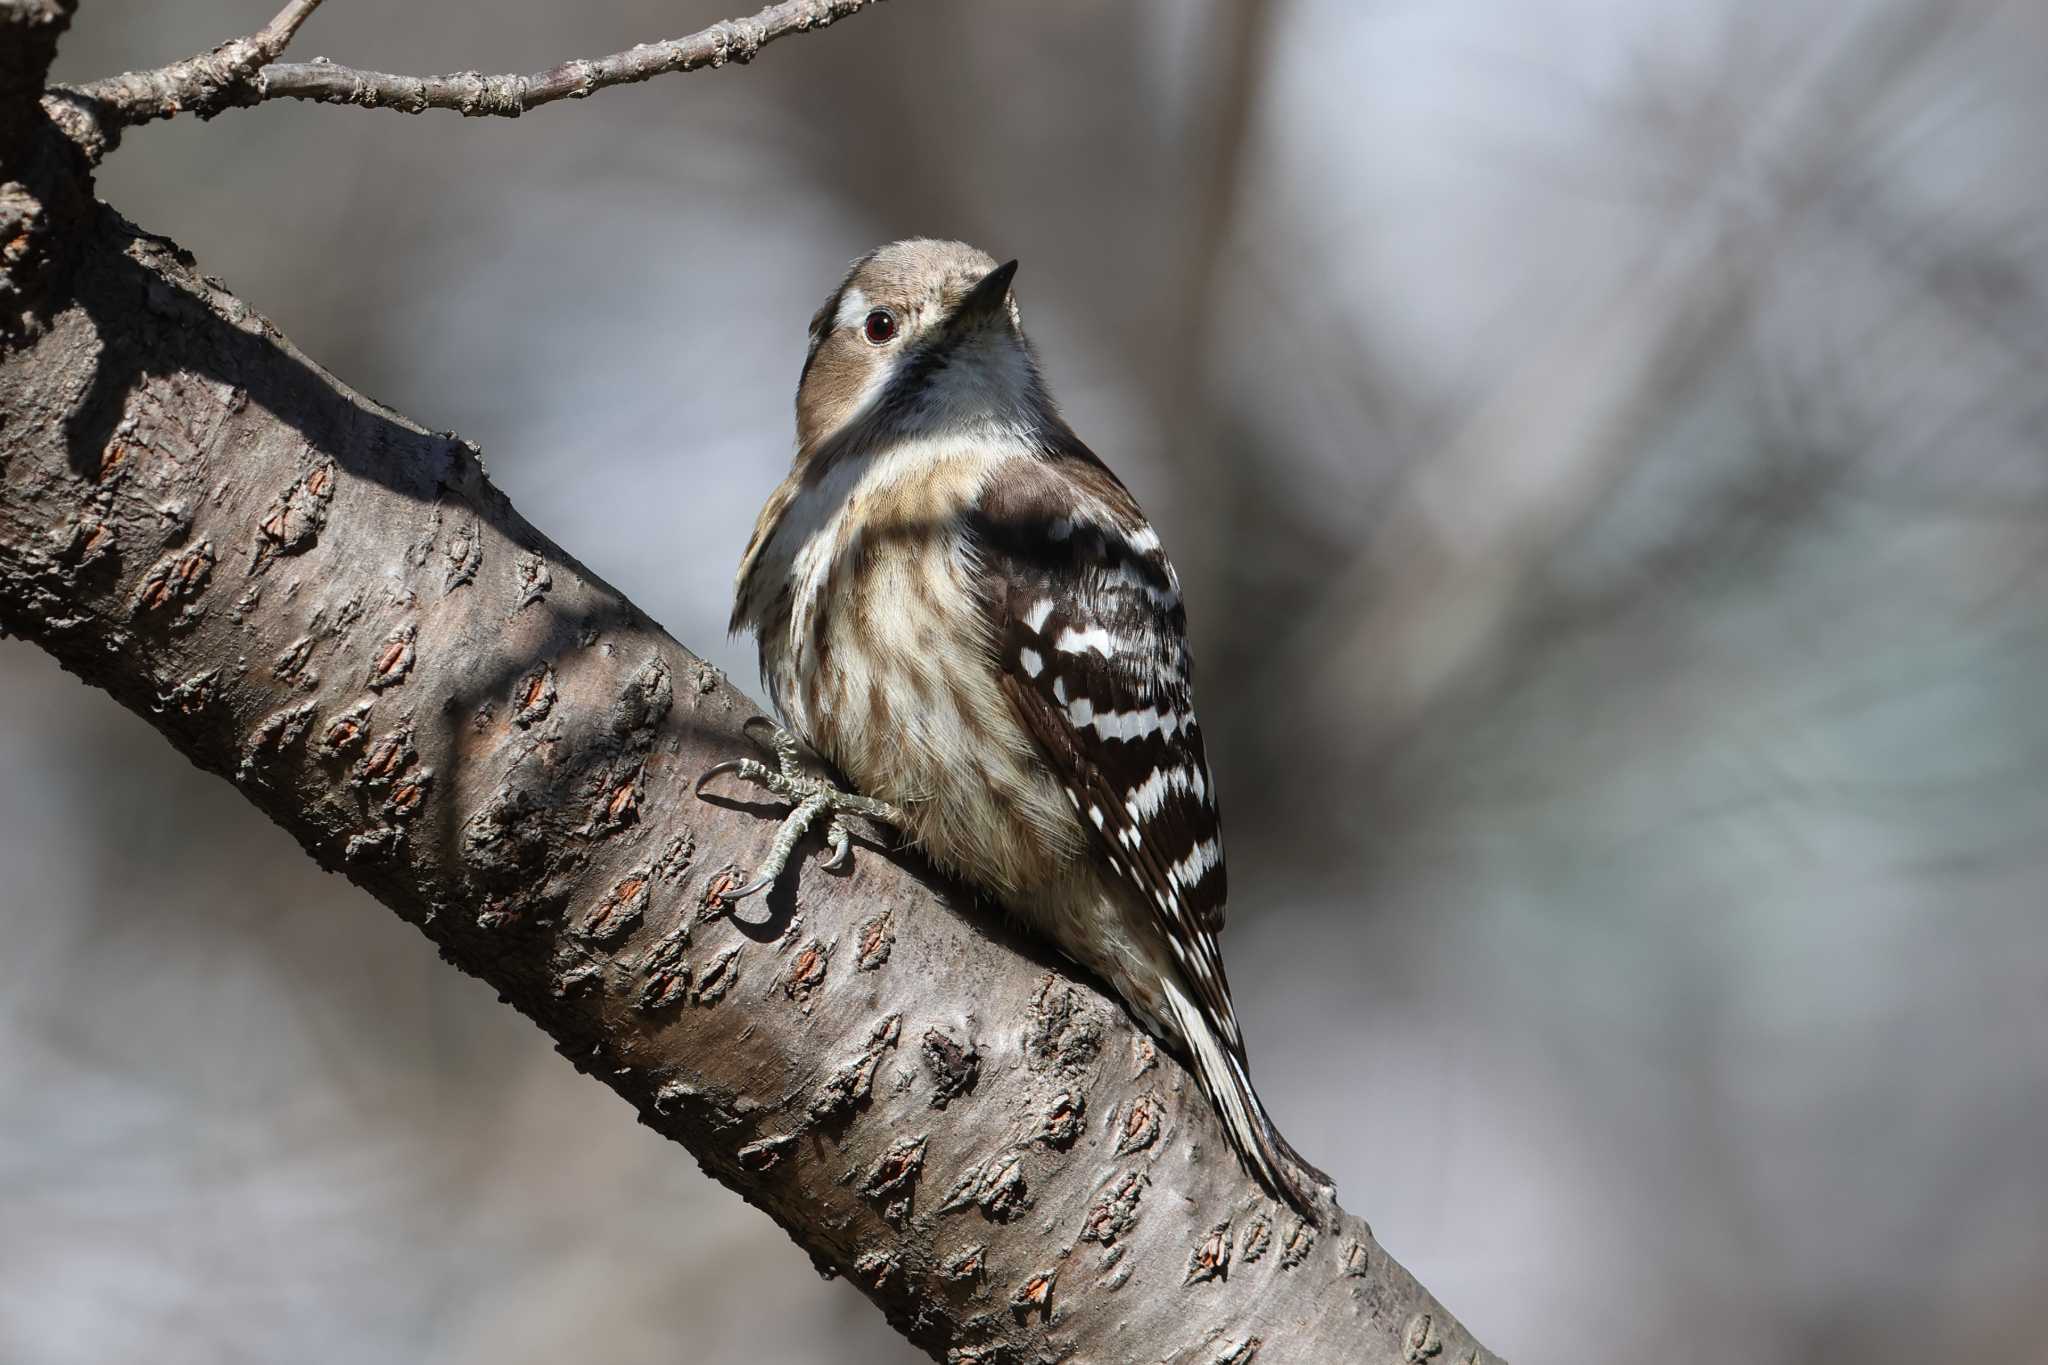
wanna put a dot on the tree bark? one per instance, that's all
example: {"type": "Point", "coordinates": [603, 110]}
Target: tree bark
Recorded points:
{"type": "Point", "coordinates": [335, 610]}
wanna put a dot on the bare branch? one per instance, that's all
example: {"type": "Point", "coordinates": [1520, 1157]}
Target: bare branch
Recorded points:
{"type": "Point", "coordinates": [474, 95]}
{"type": "Point", "coordinates": [274, 36]}
{"type": "Point", "coordinates": [94, 114]}
{"type": "Point", "coordinates": [240, 73]}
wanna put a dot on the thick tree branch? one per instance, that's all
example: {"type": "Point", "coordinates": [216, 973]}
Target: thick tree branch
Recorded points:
{"type": "Point", "coordinates": [29, 30]}
{"type": "Point", "coordinates": [244, 71]}
{"type": "Point", "coordinates": [336, 611]}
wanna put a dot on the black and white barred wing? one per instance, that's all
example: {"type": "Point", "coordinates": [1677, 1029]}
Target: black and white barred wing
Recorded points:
{"type": "Point", "coordinates": [1091, 635]}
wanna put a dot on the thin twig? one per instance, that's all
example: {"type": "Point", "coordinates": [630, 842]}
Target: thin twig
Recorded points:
{"type": "Point", "coordinates": [282, 29]}
{"type": "Point", "coordinates": [94, 114]}
{"type": "Point", "coordinates": [228, 78]}
{"type": "Point", "coordinates": [475, 95]}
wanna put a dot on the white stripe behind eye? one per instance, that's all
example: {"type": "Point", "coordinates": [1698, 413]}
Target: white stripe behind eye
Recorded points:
{"type": "Point", "coordinates": [853, 309]}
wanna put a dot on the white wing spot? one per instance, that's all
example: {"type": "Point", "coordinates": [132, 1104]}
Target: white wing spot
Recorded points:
{"type": "Point", "coordinates": [1095, 814]}
{"type": "Point", "coordinates": [1128, 725]}
{"type": "Point", "coordinates": [1189, 871]}
{"type": "Point", "coordinates": [1073, 641]}
{"type": "Point", "coordinates": [1148, 798]}
{"type": "Point", "coordinates": [1125, 576]}
{"type": "Point", "coordinates": [1034, 619]}
{"type": "Point", "coordinates": [1033, 661]}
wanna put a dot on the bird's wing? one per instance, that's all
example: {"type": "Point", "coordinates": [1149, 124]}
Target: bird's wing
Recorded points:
{"type": "Point", "coordinates": [1091, 638]}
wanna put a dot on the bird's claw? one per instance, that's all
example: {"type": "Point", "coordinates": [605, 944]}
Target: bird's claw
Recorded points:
{"type": "Point", "coordinates": [840, 842]}
{"type": "Point", "coordinates": [753, 887]}
{"type": "Point", "coordinates": [731, 765]}
{"type": "Point", "coordinates": [814, 796]}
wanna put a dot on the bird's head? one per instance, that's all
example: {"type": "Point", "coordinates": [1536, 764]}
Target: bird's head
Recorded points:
{"type": "Point", "coordinates": [922, 337]}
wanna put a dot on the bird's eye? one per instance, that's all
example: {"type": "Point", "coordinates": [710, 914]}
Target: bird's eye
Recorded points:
{"type": "Point", "coordinates": [880, 326]}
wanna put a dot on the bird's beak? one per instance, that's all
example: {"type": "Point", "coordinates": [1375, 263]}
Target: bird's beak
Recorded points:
{"type": "Point", "coordinates": [986, 301]}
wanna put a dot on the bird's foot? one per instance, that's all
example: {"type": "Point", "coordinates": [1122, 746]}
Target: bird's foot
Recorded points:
{"type": "Point", "coordinates": [814, 796]}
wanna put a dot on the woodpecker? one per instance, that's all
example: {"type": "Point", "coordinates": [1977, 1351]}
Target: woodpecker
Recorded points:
{"type": "Point", "coordinates": [962, 610]}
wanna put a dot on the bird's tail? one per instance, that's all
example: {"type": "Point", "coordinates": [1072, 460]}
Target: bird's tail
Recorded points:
{"type": "Point", "coordinates": [1219, 1066]}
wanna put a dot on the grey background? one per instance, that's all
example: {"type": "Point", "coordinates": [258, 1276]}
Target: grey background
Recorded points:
{"type": "Point", "coordinates": [1604, 446]}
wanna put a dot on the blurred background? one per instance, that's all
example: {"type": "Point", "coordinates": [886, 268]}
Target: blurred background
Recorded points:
{"type": "Point", "coordinates": [1606, 448]}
